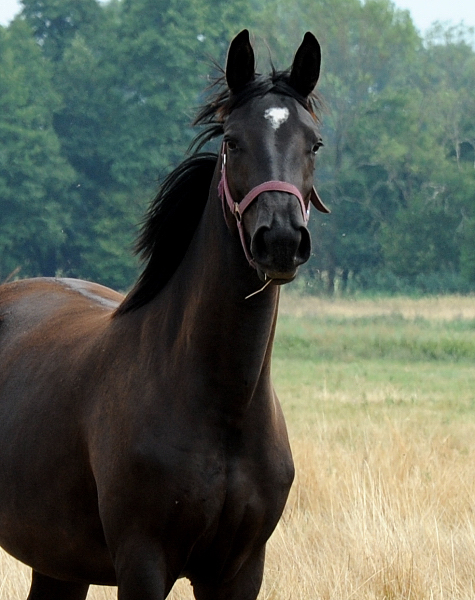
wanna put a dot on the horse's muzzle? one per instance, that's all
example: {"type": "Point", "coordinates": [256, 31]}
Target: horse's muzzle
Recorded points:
{"type": "Point", "coordinates": [278, 253]}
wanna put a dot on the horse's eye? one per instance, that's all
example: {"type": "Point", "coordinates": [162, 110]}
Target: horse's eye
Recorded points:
{"type": "Point", "coordinates": [316, 147]}
{"type": "Point", "coordinates": [231, 145]}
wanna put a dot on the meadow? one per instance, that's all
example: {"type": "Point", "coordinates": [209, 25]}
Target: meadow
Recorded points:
{"type": "Point", "coordinates": [379, 397]}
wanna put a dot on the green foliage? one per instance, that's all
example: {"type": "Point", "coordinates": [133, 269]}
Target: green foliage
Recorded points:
{"type": "Point", "coordinates": [34, 176]}
{"type": "Point", "coordinates": [95, 102]}
{"type": "Point", "coordinates": [467, 258]}
{"type": "Point", "coordinates": [56, 22]}
{"type": "Point", "coordinates": [415, 243]}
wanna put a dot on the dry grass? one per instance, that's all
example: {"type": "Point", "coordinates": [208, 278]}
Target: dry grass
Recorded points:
{"type": "Point", "coordinates": [379, 513]}
{"type": "Point", "coordinates": [376, 513]}
{"type": "Point", "coordinates": [436, 307]}
{"type": "Point", "coordinates": [383, 506]}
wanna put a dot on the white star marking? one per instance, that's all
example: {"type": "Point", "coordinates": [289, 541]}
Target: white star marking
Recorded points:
{"type": "Point", "coordinates": [276, 116]}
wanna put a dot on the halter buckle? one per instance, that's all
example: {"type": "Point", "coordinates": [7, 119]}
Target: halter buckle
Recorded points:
{"type": "Point", "coordinates": [237, 212]}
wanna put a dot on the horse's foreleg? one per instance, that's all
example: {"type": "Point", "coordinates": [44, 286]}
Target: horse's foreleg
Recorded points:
{"type": "Point", "coordinates": [245, 584]}
{"type": "Point", "coordinates": [141, 572]}
{"type": "Point", "coordinates": [47, 588]}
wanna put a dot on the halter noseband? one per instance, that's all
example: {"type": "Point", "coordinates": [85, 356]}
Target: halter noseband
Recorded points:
{"type": "Point", "coordinates": [238, 208]}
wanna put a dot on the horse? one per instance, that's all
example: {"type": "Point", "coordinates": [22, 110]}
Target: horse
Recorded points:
{"type": "Point", "coordinates": [141, 439]}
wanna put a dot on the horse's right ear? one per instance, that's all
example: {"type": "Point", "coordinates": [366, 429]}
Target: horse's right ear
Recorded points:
{"type": "Point", "coordinates": [240, 64]}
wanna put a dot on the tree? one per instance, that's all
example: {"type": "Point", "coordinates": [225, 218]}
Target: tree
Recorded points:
{"type": "Point", "coordinates": [96, 101]}
{"type": "Point", "coordinates": [128, 97]}
{"type": "Point", "coordinates": [56, 22]}
{"type": "Point", "coordinates": [34, 177]}
{"type": "Point", "coordinates": [368, 53]}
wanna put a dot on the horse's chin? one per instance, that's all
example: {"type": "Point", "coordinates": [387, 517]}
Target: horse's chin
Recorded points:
{"type": "Point", "coordinates": [277, 277]}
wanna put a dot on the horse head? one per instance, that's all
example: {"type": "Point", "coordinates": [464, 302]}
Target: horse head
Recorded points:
{"type": "Point", "coordinates": [270, 142]}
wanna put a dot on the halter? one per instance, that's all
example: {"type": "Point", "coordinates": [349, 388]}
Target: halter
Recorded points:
{"type": "Point", "coordinates": [238, 208]}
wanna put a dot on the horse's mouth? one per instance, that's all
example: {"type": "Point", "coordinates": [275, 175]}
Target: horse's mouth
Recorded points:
{"type": "Point", "coordinates": [278, 278]}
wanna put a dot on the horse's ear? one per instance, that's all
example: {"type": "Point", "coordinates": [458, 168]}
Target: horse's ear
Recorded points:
{"type": "Point", "coordinates": [306, 66]}
{"type": "Point", "coordinates": [240, 64]}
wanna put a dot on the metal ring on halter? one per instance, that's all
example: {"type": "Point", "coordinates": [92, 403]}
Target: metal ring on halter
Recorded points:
{"type": "Point", "coordinates": [237, 212]}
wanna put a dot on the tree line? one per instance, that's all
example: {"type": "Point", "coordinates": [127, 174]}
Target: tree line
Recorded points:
{"type": "Point", "coordinates": [96, 101]}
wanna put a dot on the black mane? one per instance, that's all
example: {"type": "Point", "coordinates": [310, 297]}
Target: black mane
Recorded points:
{"type": "Point", "coordinates": [175, 212]}
{"type": "Point", "coordinates": [169, 225]}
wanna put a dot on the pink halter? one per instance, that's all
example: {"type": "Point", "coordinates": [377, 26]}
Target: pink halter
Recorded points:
{"type": "Point", "coordinates": [238, 208]}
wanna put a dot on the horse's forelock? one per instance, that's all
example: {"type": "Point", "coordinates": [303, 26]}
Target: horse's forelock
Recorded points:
{"type": "Point", "coordinates": [221, 104]}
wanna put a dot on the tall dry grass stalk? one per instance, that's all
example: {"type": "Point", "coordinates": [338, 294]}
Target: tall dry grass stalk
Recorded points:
{"type": "Point", "coordinates": [384, 511]}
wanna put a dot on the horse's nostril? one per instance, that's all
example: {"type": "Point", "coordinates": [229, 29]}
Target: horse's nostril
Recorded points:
{"type": "Point", "coordinates": [259, 246]}
{"type": "Point", "coordinates": [305, 246]}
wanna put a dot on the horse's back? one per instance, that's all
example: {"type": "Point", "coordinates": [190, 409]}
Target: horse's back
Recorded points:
{"type": "Point", "coordinates": [48, 325]}
{"type": "Point", "coordinates": [36, 299]}
{"type": "Point", "coordinates": [52, 311]}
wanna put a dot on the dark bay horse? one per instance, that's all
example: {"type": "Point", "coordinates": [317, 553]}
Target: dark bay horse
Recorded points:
{"type": "Point", "coordinates": [140, 437]}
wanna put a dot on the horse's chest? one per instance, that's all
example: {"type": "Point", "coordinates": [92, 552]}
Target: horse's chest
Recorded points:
{"type": "Point", "coordinates": [217, 493]}
{"type": "Point", "coordinates": [245, 491]}
{"type": "Point", "coordinates": [245, 508]}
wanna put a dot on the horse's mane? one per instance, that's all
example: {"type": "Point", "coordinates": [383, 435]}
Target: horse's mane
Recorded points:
{"type": "Point", "coordinates": [169, 225]}
{"type": "Point", "coordinates": [175, 212]}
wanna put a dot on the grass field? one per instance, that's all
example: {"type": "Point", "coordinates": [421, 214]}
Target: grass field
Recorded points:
{"type": "Point", "coordinates": [379, 398]}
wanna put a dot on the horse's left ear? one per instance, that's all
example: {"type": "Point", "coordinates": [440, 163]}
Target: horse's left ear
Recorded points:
{"type": "Point", "coordinates": [306, 66]}
{"type": "Point", "coordinates": [240, 64]}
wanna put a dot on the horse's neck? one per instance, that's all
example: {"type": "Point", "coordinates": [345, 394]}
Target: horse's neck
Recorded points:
{"type": "Point", "coordinates": [203, 312]}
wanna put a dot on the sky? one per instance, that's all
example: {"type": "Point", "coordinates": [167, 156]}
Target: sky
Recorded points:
{"type": "Point", "coordinates": [424, 12]}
